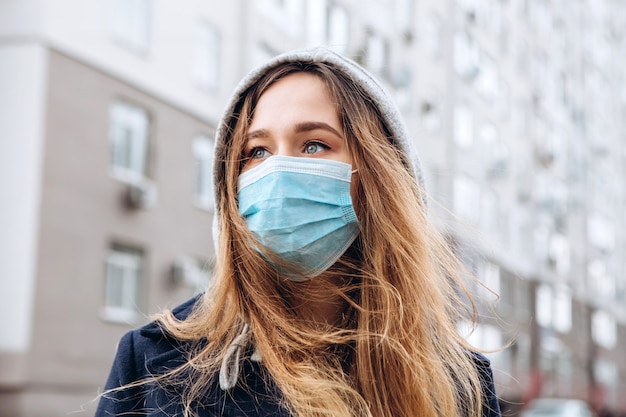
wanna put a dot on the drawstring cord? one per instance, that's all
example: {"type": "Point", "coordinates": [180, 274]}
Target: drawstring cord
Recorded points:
{"type": "Point", "coordinates": [229, 371]}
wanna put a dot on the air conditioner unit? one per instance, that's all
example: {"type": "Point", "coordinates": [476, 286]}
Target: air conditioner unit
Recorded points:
{"type": "Point", "coordinates": [186, 272]}
{"type": "Point", "coordinates": [141, 195]}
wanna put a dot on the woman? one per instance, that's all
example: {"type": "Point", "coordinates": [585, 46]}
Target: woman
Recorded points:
{"type": "Point", "coordinates": [332, 293]}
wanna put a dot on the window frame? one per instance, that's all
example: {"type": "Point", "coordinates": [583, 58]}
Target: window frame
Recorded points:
{"type": "Point", "coordinates": [130, 24]}
{"type": "Point", "coordinates": [204, 157]}
{"type": "Point", "coordinates": [135, 122]}
{"type": "Point", "coordinates": [207, 51]}
{"type": "Point", "coordinates": [131, 262]}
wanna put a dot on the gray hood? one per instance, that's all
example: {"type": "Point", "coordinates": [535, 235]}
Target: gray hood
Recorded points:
{"type": "Point", "coordinates": [390, 113]}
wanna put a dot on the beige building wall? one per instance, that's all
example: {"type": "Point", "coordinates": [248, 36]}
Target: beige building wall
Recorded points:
{"type": "Point", "coordinates": [83, 212]}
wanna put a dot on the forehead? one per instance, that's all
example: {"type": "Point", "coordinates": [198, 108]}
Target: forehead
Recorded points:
{"type": "Point", "coordinates": [296, 84]}
{"type": "Point", "coordinates": [297, 95]}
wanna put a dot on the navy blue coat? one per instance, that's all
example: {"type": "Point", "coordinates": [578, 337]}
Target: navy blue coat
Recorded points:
{"type": "Point", "coordinates": [148, 351]}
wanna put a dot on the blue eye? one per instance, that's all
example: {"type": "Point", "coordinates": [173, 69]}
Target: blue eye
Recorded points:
{"type": "Point", "coordinates": [314, 147]}
{"type": "Point", "coordinates": [257, 153]}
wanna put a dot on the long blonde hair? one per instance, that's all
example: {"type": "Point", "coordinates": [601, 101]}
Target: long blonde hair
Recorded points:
{"type": "Point", "coordinates": [397, 351]}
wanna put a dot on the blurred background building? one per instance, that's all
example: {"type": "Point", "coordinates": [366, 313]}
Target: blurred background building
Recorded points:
{"type": "Point", "coordinates": [107, 114]}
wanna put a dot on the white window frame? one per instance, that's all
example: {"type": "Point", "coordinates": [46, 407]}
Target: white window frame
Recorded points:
{"type": "Point", "coordinates": [489, 275]}
{"type": "Point", "coordinates": [432, 32]}
{"type": "Point", "coordinates": [377, 54]}
{"type": "Point", "coordinates": [487, 82]}
{"type": "Point", "coordinates": [129, 131]}
{"type": "Point", "coordinates": [603, 329]}
{"type": "Point", "coordinates": [192, 273]}
{"type": "Point", "coordinates": [204, 155]}
{"type": "Point", "coordinates": [543, 305]}
{"type": "Point", "coordinates": [553, 308]}
{"type": "Point", "coordinates": [404, 15]}
{"type": "Point", "coordinates": [601, 232]}
{"type": "Point", "coordinates": [130, 23]}
{"type": "Point", "coordinates": [466, 197]}
{"type": "Point", "coordinates": [124, 285]}
{"type": "Point", "coordinates": [466, 56]}
{"type": "Point", "coordinates": [287, 15]}
{"type": "Point", "coordinates": [463, 126]}
{"type": "Point", "coordinates": [263, 52]}
{"type": "Point", "coordinates": [431, 111]}
{"type": "Point", "coordinates": [206, 56]}
{"type": "Point", "coordinates": [490, 212]}
{"type": "Point", "coordinates": [337, 28]}
{"type": "Point", "coordinates": [562, 303]}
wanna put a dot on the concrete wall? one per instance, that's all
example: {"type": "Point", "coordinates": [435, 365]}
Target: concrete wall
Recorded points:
{"type": "Point", "coordinates": [82, 213]}
{"type": "Point", "coordinates": [23, 82]}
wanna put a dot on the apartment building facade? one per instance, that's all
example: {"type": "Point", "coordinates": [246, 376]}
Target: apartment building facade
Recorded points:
{"type": "Point", "coordinates": [108, 115]}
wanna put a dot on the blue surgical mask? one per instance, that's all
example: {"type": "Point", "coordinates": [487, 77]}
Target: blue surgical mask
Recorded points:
{"type": "Point", "coordinates": [301, 209]}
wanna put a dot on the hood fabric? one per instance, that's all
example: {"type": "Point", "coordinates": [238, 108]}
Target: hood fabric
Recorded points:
{"type": "Point", "coordinates": [391, 116]}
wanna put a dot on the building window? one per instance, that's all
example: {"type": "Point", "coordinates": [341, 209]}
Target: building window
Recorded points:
{"type": "Point", "coordinates": [377, 54]}
{"type": "Point", "coordinates": [607, 374]}
{"type": "Point", "coordinates": [130, 23]}
{"type": "Point", "coordinates": [603, 329]}
{"type": "Point", "coordinates": [206, 56]}
{"type": "Point", "coordinates": [543, 305]}
{"type": "Point", "coordinates": [495, 153]}
{"type": "Point", "coordinates": [122, 281]}
{"type": "Point", "coordinates": [485, 337]}
{"type": "Point", "coordinates": [490, 213]}
{"type": "Point", "coordinates": [489, 274]}
{"type": "Point", "coordinates": [559, 253]}
{"type": "Point", "coordinates": [328, 24]}
{"type": "Point", "coordinates": [466, 56]}
{"type": "Point", "coordinates": [467, 199]}
{"type": "Point", "coordinates": [128, 137]}
{"type": "Point", "coordinates": [263, 52]}
{"type": "Point", "coordinates": [562, 320]}
{"type": "Point", "coordinates": [522, 299]}
{"type": "Point", "coordinates": [488, 79]}
{"type": "Point", "coordinates": [204, 156]}
{"type": "Point", "coordinates": [431, 112]}
{"type": "Point", "coordinates": [432, 36]}
{"type": "Point", "coordinates": [284, 14]}
{"type": "Point", "coordinates": [191, 273]}
{"type": "Point", "coordinates": [463, 126]}
{"type": "Point", "coordinates": [402, 79]}
{"type": "Point", "coordinates": [601, 232]}
{"type": "Point", "coordinates": [602, 281]}
{"type": "Point", "coordinates": [403, 12]}
{"type": "Point", "coordinates": [338, 28]}
{"type": "Point", "coordinates": [554, 308]}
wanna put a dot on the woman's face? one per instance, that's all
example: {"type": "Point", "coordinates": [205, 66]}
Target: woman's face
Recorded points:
{"type": "Point", "coordinates": [295, 117]}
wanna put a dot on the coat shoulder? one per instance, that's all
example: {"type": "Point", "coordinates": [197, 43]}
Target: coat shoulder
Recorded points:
{"type": "Point", "coordinates": [491, 406]}
{"type": "Point", "coordinates": [141, 354]}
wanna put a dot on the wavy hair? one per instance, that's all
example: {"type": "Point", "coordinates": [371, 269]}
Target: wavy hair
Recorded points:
{"type": "Point", "coordinates": [396, 351]}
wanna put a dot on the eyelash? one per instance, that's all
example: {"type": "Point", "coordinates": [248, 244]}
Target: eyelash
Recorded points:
{"type": "Point", "coordinates": [250, 154]}
{"type": "Point", "coordinates": [315, 142]}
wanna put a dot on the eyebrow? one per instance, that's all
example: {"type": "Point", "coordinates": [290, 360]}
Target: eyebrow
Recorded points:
{"type": "Point", "coordinates": [308, 126]}
{"type": "Point", "coordinates": [299, 128]}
